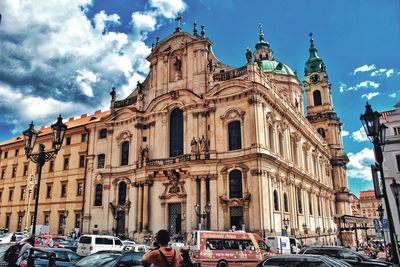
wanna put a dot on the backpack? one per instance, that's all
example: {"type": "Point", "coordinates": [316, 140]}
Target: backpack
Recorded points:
{"type": "Point", "coordinates": [168, 264]}
{"type": "Point", "coordinates": [12, 253]}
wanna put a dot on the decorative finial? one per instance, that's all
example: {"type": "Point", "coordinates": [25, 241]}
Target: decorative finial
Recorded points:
{"type": "Point", "coordinates": [311, 39]}
{"type": "Point", "coordinates": [203, 32]}
{"type": "Point", "coordinates": [157, 40]}
{"type": "Point", "coordinates": [178, 19]}
{"type": "Point", "coordinates": [261, 34]}
{"type": "Point", "coordinates": [152, 46]}
{"type": "Point", "coordinates": [195, 29]}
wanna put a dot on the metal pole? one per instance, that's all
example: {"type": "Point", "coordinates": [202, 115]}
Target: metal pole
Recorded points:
{"type": "Point", "coordinates": [40, 162]}
{"type": "Point", "coordinates": [393, 241]}
{"type": "Point", "coordinates": [28, 213]}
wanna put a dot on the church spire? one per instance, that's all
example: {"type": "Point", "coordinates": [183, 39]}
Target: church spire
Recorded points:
{"type": "Point", "coordinates": [314, 62]}
{"type": "Point", "coordinates": [261, 42]}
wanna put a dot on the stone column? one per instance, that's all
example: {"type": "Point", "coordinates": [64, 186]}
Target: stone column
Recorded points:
{"type": "Point", "coordinates": [193, 187]}
{"type": "Point", "coordinates": [203, 199]}
{"type": "Point", "coordinates": [146, 188]}
{"type": "Point", "coordinates": [214, 203]}
{"type": "Point", "coordinates": [139, 208]}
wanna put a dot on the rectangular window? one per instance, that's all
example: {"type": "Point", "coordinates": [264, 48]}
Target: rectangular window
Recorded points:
{"type": "Point", "coordinates": [7, 221]}
{"type": "Point", "coordinates": [396, 130]}
{"type": "Point", "coordinates": [83, 137]}
{"type": "Point", "coordinates": [22, 196]}
{"type": "Point", "coordinates": [77, 220]}
{"type": "Point", "coordinates": [68, 141]}
{"type": "Point", "coordinates": [10, 195]}
{"type": "Point", "coordinates": [305, 158]}
{"type": "Point", "coordinates": [3, 173]}
{"type": "Point", "coordinates": [79, 191]}
{"type": "Point", "coordinates": [14, 172]}
{"type": "Point", "coordinates": [60, 221]}
{"type": "Point", "coordinates": [46, 219]}
{"type": "Point", "coordinates": [48, 191]}
{"type": "Point", "coordinates": [398, 162]}
{"type": "Point", "coordinates": [1, 195]}
{"type": "Point", "coordinates": [63, 190]}
{"type": "Point", "coordinates": [34, 192]}
{"type": "Point", "coordinates": [310, 203]}
{"type": "Point", "coordinates": [16, 152]}
{"type": "Point", "coordinates": [25, 169]}
{"type": "Point", "coordinates": [66, 163]}
{"type": "Point", "coordinates": [81, 161]}
{"type": "Point", "coordinates": [6, 154]}
{"type": "Point", "coordinates": [51, 166]}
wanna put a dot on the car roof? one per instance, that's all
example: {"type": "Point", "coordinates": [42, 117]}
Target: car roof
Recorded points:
{"type": "Point", "coordinates": [107, 236]}
{"type": "Point", "coordinates": [296, 256]}
{"type": "Point", "coordinates": [117, 252]}
{"type": "Point", "coordinates": [325, 247]}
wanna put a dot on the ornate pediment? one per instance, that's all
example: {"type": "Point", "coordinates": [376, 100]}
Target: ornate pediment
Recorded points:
{"type": "Point", "coordinates": [174, 186]}
{"type": "Point", "coordinates": [232, 114]}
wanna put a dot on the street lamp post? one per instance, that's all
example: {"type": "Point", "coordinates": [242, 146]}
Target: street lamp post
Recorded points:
{"type": "Point", "coordinates": [376, 134]}
{"type": "Point", "coordinates": [396, 192]}
{"type": "Point", "coordinates": [31, 184]}
{"type": "Point", "coordinates": [202, 214]}
{"type": "Point", "coordinates": [318, 234]}
{"type": "Point", "coordinates": [286, 225]}
{"type": "Point", "coordinates": [40, 159]}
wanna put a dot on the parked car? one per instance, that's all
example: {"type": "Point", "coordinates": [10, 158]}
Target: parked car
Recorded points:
{"type": "Point", "coordinates": [347, 255]}
{"type": "Point", "coordinates": [5, 238]}
{"type": "Point", "coordinates": [3, 248]}
{"type": "Point", "coordinates": [89, 244]}
{"type": "Point", "coordinates": [61, 257]}
{"type": "Point", "coordinates": [137, 248]}
{"type": "Point", "coordinates": [111, 259]}
{"type": "Point", "coordinates": [302, 260]}
{"type": "Point", "coordinates": [20, 236]}
{"type": "Point", "coordinates": [69, 244]}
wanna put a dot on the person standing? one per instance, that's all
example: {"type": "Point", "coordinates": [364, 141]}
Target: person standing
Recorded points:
{"type": "Point", "coordinates": [165, 256]}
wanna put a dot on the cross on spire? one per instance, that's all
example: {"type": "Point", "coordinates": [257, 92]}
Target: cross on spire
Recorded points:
{"type": "Point", "coordinates": [311, 39]}
{"type": "Point", "coordinates": [261, 34]}
{"type": "Point", "coordinates": [178, 19]}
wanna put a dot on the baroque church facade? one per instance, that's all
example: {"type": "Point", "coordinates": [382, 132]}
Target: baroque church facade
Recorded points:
{"type": "Point", "coordinates": [199, 144]}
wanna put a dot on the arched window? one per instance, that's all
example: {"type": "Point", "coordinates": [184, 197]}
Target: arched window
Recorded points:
{"type": "Point", "coordinates": [317, 98]}
{"type": "Point", "coordinates": [285, 202]}
{"type": "Point", "coordinates": [125, 153]}
{"type": "Point", "coordinates": [101, 158]}
{"type": "Point", "coordinates": [235, 184]}
{"type": "Point", "coordinates": [321, 131]}
{"type": "Point", "coordinates": [299, 202]}
{"type": "Point", "coordinates": [176, 133]}
{"type": "Point", "coordinates": [310, 203]}
{"type": "Point", "coordinates": [319, 207]}
{"type": "Point", "coordinates": [276, 201]}
{"type": "Point", "coordinates": [121, 193]}
{"type": "Point", "coordinates": [98, 195]}
{"type": "Point", "coordinates": [271, 137]}
{"type": "Point", "coordinates": [235, 135]}
{"type": "Point", "coordinates": [103, 133]}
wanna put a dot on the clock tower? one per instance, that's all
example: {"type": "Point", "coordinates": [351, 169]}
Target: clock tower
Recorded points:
{"type": "Point", "coordinates": [322, 115]}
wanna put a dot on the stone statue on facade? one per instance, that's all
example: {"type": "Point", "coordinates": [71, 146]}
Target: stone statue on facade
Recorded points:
{"type": "Point", "coordinates": [178, 64]}
{"type": "Point", "coordinates": [193, 145]}
{"type": "Point", "coordinates": [203, 144]}
{"type": "Point", "coordinates": [145, 153]}
{"type": "Point", "coordinates": [140, 154]}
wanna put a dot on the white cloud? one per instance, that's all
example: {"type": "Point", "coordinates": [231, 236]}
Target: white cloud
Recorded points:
{"type": "Point", "coordinates": [342, 87]}
{"type": "Point", "coordinates": [370, 95]}
{"type": "Point", "coordinates": [345, 133]}
{"type": "Point", "coordinates": [390, 73]}
{"type": "Point", "coordinates": [364, 69]}
{"type": "Point", "coordinates": [392, 95]}
{"type": "Point", "coordinates": [364, 84]}
{"type": "Point", "coordinates": [54, 56]}
{"type": "Point", "coordinates": [360, 135]}
{"type": "Point", "coordinates": [359, 164]}
{"type": "Point", "coordinates": [168, 8]}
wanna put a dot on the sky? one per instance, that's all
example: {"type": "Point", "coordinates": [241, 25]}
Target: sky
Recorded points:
{"type": "Point", "coordinates": [64, 56]}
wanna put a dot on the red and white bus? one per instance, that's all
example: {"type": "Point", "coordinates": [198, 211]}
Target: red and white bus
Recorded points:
{"type": "Point", "coordinates": [221, 249]}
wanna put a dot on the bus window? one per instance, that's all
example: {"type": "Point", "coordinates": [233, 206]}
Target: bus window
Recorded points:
{"type": "Point", "coordinates": [262, 245]}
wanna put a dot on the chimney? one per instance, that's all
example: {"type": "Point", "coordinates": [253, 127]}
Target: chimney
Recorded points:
{"type": "Point", "coordinates": [83, 115]}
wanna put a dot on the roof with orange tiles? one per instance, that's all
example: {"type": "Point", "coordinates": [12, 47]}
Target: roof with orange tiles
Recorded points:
{"type": "Point", "coordinates": [71, 123]}
{"type": "Point", "coordinates": [368, 193]}
{"type": "Point", "coordinates": [386, 114]}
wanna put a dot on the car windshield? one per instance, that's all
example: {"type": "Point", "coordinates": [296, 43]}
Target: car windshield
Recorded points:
{"type": "Point", "coordinates": [102, 259]}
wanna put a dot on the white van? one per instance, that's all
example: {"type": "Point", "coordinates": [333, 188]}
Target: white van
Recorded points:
{"type": "Point", "coordinates": [89, 244]}
{"type": "Point", "coordinates": [280, 244]}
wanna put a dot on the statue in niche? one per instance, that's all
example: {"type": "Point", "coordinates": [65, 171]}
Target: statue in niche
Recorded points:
{"type": "Point", "coordinates": [140, 154]}
{"type": "Point", "coordinates": [193, 145]}
{"type": "Point", "coordinates": [203, 144]}
{"type": "Point", "coordinates": [178, 64]}
{"type": "Point", "coordinates": [145, 153]}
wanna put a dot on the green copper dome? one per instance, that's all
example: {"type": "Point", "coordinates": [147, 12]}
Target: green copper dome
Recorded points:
{"type": "Point", "coordinates": [275, 67]}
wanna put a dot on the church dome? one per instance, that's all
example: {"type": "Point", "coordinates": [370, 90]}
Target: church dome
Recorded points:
{"type": "Point", "coordinates": [275, 67]}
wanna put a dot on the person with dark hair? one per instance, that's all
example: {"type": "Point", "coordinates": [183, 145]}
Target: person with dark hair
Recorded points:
{"type": "Point", "coordinates": [164, 256]}
{"type": "Point", "coordinates": [26, 245]}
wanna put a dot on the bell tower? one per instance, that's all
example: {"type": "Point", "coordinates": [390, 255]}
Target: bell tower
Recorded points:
{"type": "Point", "coordinates": [322, 115]}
